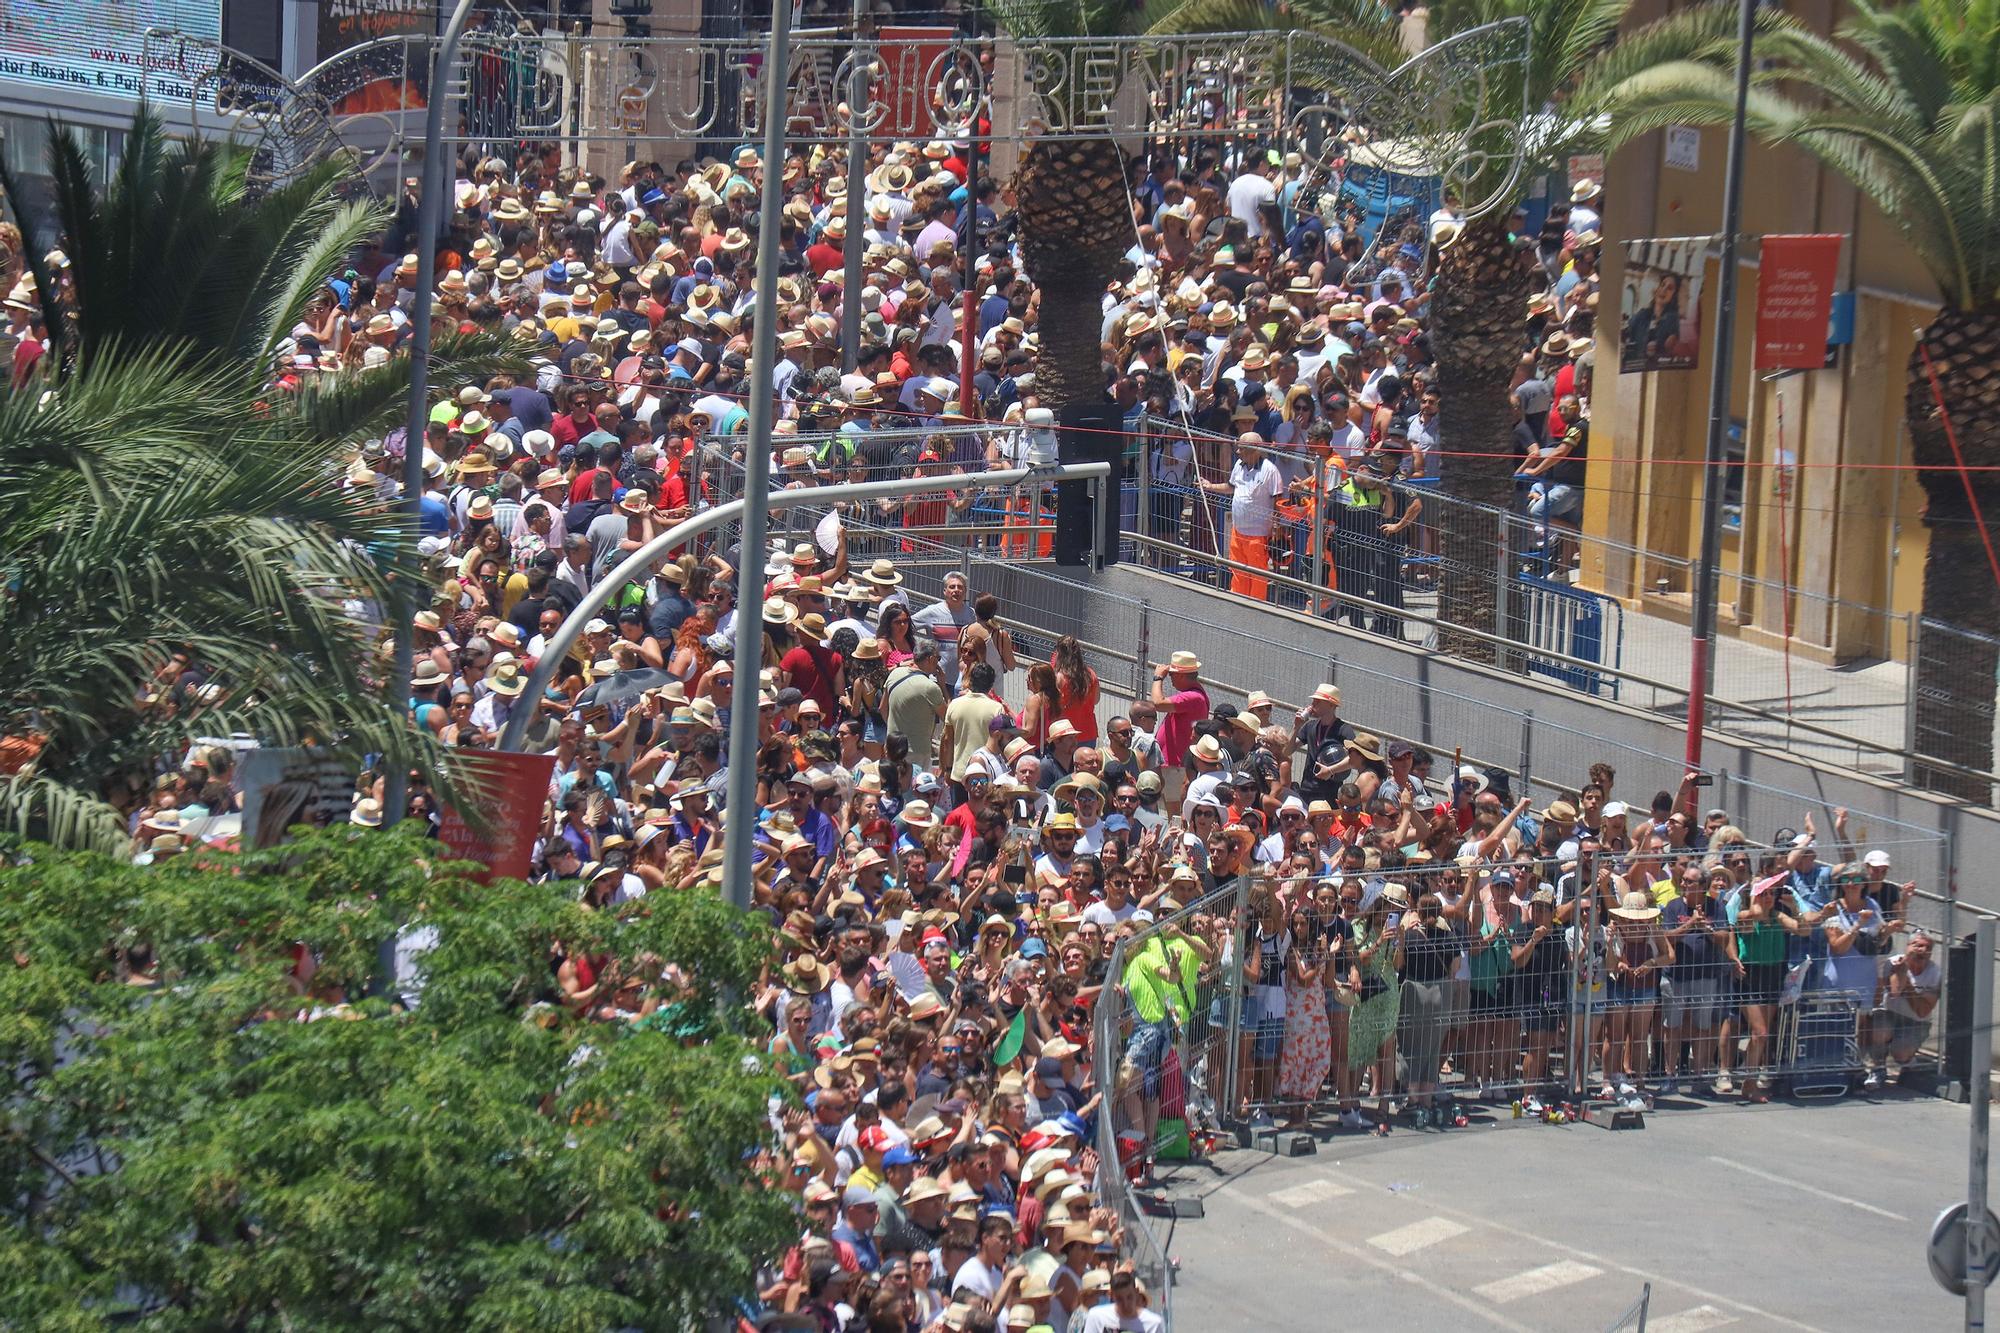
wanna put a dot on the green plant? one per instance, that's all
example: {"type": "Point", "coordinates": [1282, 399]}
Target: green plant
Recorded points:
{"type": "Point", "coordinates": [197, 1137]}
{"type": "Point", "coordinates": [163, 496]}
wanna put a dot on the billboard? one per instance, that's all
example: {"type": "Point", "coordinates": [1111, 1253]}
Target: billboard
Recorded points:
{"type": "Point", "coordinates": [1662, 304]}
{"type": "Point", "coordinates": [98, 46]}
{"type": "Point", "coordinates": [345, 24]}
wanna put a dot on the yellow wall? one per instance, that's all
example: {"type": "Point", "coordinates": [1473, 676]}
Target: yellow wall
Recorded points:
{"type": "Point", "coordinates": [1851, 536]}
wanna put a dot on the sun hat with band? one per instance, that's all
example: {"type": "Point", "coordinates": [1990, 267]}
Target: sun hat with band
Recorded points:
{"type": "Point", "coordinates": [1636, 906]}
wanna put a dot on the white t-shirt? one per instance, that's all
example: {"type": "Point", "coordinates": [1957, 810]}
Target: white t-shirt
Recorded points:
{"type": "Point", "coordinates": [1926, 982]}
{"type": "Point", "coordinates": [1253, 506]}
{"type": "Point", "coordinates": [1105, 915]}
{"type": "Point", "coordinates": [1349, 441]}
{"type": "Point", "coordinates": [1106, 1319]}
{"type": "Point", "coordinates": [976, 1276]}
{"type": "Point", "coordinates": [1247, 193]}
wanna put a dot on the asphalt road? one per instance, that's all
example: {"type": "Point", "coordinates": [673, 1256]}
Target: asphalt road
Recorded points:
{"type": "Point", "coordinates": [1800, 1217]}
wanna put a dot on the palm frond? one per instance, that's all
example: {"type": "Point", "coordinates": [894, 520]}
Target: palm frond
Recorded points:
{"type": "Point", "coordinates": [40, 809]}
{"type": "Point", "coordinates": [310, 258]}
{"type": "Point", "coordinates": [372, 402]}
{"type": "Point", "coordinates": [1367, 26]}
{"type": "Point", "coordinates": [1902, 104]}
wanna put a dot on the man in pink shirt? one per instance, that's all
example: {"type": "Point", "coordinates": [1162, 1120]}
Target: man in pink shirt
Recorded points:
{"type": "Point", "coordinates": [1182, 702]}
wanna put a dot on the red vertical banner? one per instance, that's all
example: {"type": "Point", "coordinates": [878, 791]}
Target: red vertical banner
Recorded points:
{"type": "Point", "coordinates": [909, 79]}
{"type": "Point", "coordinates": [512, 788]}
{"type": "Point", "coordinates": [1794, 293]}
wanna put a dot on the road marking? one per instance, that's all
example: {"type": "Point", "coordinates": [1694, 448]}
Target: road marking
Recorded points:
{"type": "Point", "coordinates": [1697, 1320]}
{"type": "Point", "coordinates": [1312, 1192]}
{"type": "Point", "coordinates": [1657, 1279]}
{"type": "Point", "coordinates": [1466, 1303]}
{"type": "Point", "coordinates": [1417, 1235]}
{"type": "Point", "coordinates": [1813, 1190]}
{"type": "Point", "coordinates": [1535, 1281]}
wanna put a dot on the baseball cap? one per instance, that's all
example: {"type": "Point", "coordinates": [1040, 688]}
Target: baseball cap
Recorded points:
{"type": "Point", "coordinates": [899, 1156]}
{"type": "Point", "coordinates": [1876, 857]}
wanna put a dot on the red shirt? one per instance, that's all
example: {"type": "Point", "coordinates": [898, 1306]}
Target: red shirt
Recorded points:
{"type": "Point", "coordinates": [812, 670]}
{"type": "Point", "coordinates": [824, 258]}
{"type": "Point", "coordinates": [1081, 709]}
{"type": "Point", "coordinates": [565, 430]}
{"type": "Point", "coordinates": [1565, 384]}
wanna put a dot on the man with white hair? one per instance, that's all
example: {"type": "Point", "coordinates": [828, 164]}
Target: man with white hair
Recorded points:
{"type": "Point", "coordinates": [1253, 488]}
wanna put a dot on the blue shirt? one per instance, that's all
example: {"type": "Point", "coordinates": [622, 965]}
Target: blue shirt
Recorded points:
{"type": "Point", "coordinates": [433, 515]}
{"type": "Point", "coordinates": [1813, 888]}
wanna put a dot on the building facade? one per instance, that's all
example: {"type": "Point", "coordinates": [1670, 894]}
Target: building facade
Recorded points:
{"type": "Point", "coordinates": [1823, 537]}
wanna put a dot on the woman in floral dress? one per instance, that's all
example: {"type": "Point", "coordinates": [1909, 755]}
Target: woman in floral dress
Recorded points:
{"type": "Point", "coordinates": [1308, 1049]}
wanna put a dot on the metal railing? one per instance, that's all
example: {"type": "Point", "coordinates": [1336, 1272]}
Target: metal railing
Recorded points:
{"type": "Point", "coordinates": [1750, 721]}
{"type": "Point", "coordinates": [1444, 995]}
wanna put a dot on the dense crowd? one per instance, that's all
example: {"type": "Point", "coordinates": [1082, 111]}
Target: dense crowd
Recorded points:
{"type": "Point", "coordinates": [951, 836]}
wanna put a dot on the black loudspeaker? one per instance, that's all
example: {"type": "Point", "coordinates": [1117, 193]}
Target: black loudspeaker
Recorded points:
{"type": "Point", "coordinates": [1088, 433]}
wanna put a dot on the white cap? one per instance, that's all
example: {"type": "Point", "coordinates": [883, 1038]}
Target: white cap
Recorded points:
{"type": "Point", "coordinates": [1804, 840]}
{"type": "Point", "coordinates": [1615, 809]}
{"type": "Point", "coordinates": [1876, 857]}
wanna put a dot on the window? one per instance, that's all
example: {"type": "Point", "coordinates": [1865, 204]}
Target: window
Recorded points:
{"type": "Point", "coordinates": [1734, 455]}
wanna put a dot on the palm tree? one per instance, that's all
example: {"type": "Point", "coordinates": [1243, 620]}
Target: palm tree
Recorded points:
{"type": "Point", "coordinates": [162, 498]}
{"type": "Point", "coordinates": [1484, 278]}
{"type": "Point", "coordinates": [1904, 101]}
{"type": "Point", "coordinates": [1071, 193]}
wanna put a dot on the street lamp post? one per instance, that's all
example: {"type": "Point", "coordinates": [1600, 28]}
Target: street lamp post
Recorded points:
{"type": "Point", "coordinates": [742, 807]}
{"type": "Point", "coordinates": [857, 190]}
{"type": "Point", "coordinates": [1701, 669]}
{"type": "Point", "coordinates": [430, 216]}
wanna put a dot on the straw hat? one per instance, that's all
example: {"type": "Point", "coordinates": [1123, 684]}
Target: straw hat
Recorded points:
{"type": "Point", "coordinates": [806, 976]}
{"type": "Point", "coordinates": [1636, 906]}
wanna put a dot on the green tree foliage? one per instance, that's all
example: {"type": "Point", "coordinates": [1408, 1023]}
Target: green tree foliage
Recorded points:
{"type": "Point", "coordinates": [195, 1140]}
{"type": "Point", "coordinates": [163, 496]}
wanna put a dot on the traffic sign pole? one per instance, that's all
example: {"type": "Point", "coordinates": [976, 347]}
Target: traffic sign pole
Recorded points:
{"type": "Point", "coordinates": [1979, 1240]}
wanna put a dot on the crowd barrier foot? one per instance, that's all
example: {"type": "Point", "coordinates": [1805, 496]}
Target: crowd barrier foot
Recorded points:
{"type": "Point", "coordinates": [1616, 1114]}
{"type": "Point", "coordinates": [1284, 1142]}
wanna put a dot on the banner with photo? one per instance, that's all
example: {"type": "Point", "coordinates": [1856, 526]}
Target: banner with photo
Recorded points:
{"type": "Point", "coordinates": [1662, 304]}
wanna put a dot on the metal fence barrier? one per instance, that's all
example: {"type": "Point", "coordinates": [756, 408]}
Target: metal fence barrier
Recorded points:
{"type": "Point", "coordinates": [1432, 991]}
{"type": "Point", "coordinates": [1554, 622]}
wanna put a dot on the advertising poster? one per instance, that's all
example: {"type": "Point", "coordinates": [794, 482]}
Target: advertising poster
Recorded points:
{"type": "Point", "coordinates": [391, 78]}
{"type": "Point", "coordinates": [287, 786]}
{"type": "Point", "coordinates": [1795, 280]}
{"type": "Point", "coordinates": [515, 788]}
{"type": "Point", "coordinates": [1662, 304]}
{"type": "Point", "coordinates": [99, 46]}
